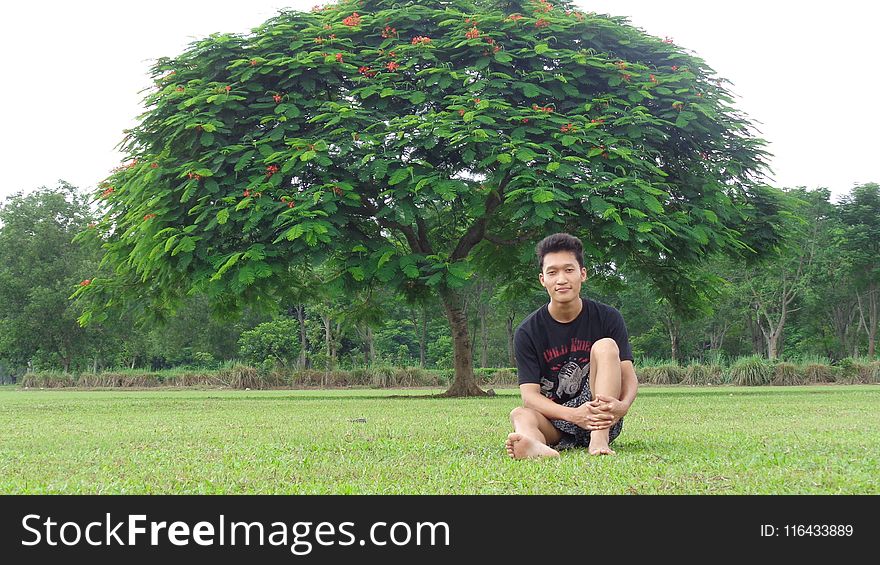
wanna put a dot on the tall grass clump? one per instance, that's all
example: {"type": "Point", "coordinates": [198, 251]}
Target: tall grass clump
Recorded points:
{"type": "Point", "coordinates": [858, 371]}
{"type": "Point", "coordinates": [48, 379]}
{"type": "Point", "coordinates": [751, 371]}
{"type": "Point", "coordinates": [122, 378]}
{"type": "Point", "coordinates": [785, 374]}
{"type": "Point", "coordinates": [666, 374]}
{"type": "Point", "coordinates": [698, 374]}
{"type": "Point", "coordinates": [818, 373]}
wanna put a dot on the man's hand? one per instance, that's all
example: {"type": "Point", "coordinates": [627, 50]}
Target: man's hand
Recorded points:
{"type": "Point", "coordinates": [610, 406]}
{"type": "Point", "coordinates": [590, 416]}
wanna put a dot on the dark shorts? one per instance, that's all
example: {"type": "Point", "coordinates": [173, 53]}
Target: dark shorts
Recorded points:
{"type": "Point", "coordinates": [576, 436]}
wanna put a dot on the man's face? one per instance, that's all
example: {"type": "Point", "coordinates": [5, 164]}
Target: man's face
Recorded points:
{"type": "Point", "coordinates": [562, 276]}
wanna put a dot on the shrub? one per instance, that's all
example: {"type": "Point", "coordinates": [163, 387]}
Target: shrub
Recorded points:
{"type": "Point", "coordinates": [751, 371]}
{"type": "Point", "coordinates": [697, 374]}
{"type": "Point", "coordinates": [48, 379]}
{"type": "Point", "coordinates": [788, 374]}
{"type": "Point", "coordinates": [858, 371]}
{"type": "Point", "coordinates": [277, 340]}
{"type": "Point", "coordinates": [120, 379]}
{"type": "Point", "coordinates": [667, 374]}
{"type": "Point", "coordinates": [819, 373]}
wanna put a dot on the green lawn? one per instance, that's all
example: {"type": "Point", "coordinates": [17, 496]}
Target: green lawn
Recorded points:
{"type": "Point", "coordinates": [682, 440]}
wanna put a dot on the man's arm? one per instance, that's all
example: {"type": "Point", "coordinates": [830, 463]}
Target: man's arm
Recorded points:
{"type": "Point", "coordinates": [629, 388]}
{"type": "Point", "coordinates": [629, 384]}
{"type": "Point", "coordinates": [587, 415]}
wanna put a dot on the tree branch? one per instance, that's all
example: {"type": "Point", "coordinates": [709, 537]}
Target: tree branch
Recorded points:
{"type": "Point", "coordinates": [477, 231]}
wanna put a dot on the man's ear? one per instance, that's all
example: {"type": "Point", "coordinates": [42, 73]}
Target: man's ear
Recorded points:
{"type": "Point", "coordinates": [583, 274]}
{"type": "Point", "coordinates": [541, 278]}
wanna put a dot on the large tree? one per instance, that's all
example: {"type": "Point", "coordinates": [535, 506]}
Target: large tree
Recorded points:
{"type": "Point", "coordinates": [409, 143]}
{"type": "Point", "coordinates": [39, 265]}
{"type": "Point", "coordinates": [860, 213]}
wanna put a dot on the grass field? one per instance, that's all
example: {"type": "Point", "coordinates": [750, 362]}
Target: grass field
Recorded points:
{"type": "Point", "coordinates": [677, 440]}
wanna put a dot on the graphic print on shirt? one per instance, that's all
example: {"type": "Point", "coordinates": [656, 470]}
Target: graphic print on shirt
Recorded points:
{"type": "Point", "coordinates": [570, 365]}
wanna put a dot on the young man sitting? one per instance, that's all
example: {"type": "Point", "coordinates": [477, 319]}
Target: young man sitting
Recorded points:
{"type": "Point", "coordinates": [576, 376]}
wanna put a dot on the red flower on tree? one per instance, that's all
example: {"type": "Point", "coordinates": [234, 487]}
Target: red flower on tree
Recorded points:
{"type": "Point", "coordinates": [271, 170]}
{"type": "Point", "coordinates": [392, 66]}
{"type": "Point", "coordinates": [473, 33]}
{"type": "Point", "coordinates": [149, 217]}
{"type": "Point", "coordinates": [542, 23]}
{"type": "Point", "coordinates": [420, 40]}
{"type": "Point", "coordinates": [277, 98]}
{"type": "Point", "coordinates": [674, 67]}
{"type": "Point", "coordinates": [515, 17]}
{"type": "Point", "coordinates": [339, 58]}
{"type": "Point", "coordinates": [253, 62]}
{"type": "Point", "coordinates": [353, 20]}
{"type": "Point", "coordinates": [567, 128]}
{"type": "Point", "coordinates": [86, 282]}
{"type": "Point", "coordinates": [389, 32]}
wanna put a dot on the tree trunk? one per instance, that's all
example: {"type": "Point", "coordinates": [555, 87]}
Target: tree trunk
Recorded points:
{"type": "Point", "coordinates": [869, 322]}
{"type": "Point", "coordinates": [423, 338]}
{"type": "Point", "coordinates": [303, 343]}
{"type": "Point", "coordinates": [484, 336]}
{"type": "Point", "coordinates": [464, 383]}
{"type": "Point", "coordinates": [757, 337]}
{"type": "Point", "coordinates": [327, 346]}
{"type": "Point", "coordinates": [371, 347]}
{"type": "Point", "coordinates": [511, 357]}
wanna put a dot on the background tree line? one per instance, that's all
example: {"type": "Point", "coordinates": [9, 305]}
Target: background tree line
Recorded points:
{"type": "Point", "coordinates": [816, 295]}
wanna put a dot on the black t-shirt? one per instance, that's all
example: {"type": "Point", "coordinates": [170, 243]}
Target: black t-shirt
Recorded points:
{"type": "Point", "coordinates": [556, 355]}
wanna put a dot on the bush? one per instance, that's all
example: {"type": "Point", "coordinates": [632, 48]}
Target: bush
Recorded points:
{"type": "Point", "coordinates": [697, 374]}
{"type": "Point", "coordinates": [277, 341]}
{"type": "Point", "coordinates": [858, 371]}
{"type": "Point", "coordinates": [667, 374]}
{"type": "Point", "coordinates": [786, 374]}
{"type": "Point", "coordinates": [819, 373]}
{"type": "Point", "coordinates": [751, 371]}
{"type": "Point", "coordinates": [120, 379]}
{"type": "Point", "coordinates": [495, 376]}
{"type": "Point", "coordinates": [48, 379]}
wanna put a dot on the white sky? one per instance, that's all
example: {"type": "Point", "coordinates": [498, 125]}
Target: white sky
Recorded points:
{"type": "Point", "coordinates": [72, 73]}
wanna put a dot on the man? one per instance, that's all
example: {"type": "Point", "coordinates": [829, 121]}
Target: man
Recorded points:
{"type": "Point", "coordinates": [576, 376]}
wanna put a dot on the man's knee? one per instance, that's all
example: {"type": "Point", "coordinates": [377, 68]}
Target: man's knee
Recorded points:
{"type": "Point", "coordinates": [521, 412]}
{"type": "Point", "coordinates": [605, 347]}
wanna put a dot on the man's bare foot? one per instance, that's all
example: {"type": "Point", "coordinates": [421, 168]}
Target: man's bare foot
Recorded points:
{"type": "Point", "coordinates": [599, 443]}
{"type": "Point", "coordinates": [523, 447]}
{"type": "Point", "coordinates": [600, 448]}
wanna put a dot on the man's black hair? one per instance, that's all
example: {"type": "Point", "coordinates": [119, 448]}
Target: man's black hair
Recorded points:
{"type": "Point", "coordinates": [560, 242]}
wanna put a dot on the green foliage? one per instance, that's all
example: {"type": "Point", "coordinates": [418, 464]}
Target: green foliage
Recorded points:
{"type": "Point", "coordinates": [276, 341]}
{"type": "Point", "coordinates": [751, 371]}
{"type": "Point", "coordinates": [395, 142]}
{"type": "Point", "coordinates": [39, 268]}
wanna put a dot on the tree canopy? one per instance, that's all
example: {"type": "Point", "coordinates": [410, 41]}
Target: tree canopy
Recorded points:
{"type": "Point", "coordinates": [407, 144]}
